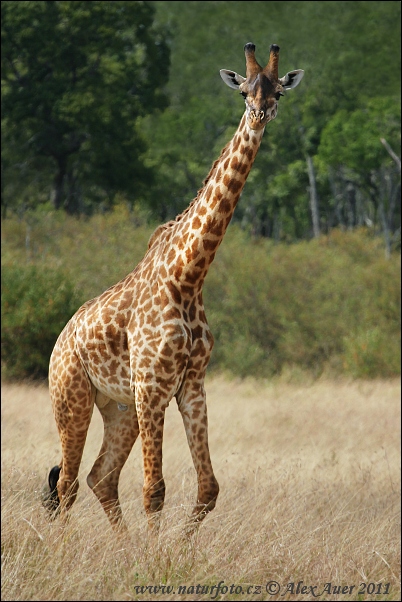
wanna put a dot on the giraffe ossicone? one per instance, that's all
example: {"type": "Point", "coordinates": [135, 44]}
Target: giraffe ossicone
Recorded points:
{"type": "Point", "coordinates": [146, 339]}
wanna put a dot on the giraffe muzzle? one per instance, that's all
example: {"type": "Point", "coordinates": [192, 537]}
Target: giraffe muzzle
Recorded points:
{"type": "Point", "coordinates": [257, 119]}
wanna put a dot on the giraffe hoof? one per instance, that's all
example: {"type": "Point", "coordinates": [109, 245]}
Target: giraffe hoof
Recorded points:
{"type": "Point", "coordinates": [50, 499]}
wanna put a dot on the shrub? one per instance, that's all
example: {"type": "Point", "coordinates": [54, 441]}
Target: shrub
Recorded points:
{"type": "Point", "coordinates": [327, 305]}
{"type": "Point", "coordinates": [332, 303]}
{"type": "Point", "coordinates": [372, 353]}
{"type": "Point", "coordinates": [36, 303]}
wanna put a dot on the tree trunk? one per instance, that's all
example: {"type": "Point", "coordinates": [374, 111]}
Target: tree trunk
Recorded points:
{"type": "Point", "coordinates": [59, 183]}
{"type": "Point", "coordinates": [72, 201]}
{"type": "Point", "coordinates": [385, 228]}
{"type": "Point", "coordinates": [313, 197]}
{"type": "Point", "coordinates": [391, 153]}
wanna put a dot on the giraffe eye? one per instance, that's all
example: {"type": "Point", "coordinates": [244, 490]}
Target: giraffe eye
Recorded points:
{"type": "Point", "coordinates": [244, 94]}
{"type": "Point", "coordinates": [278, 95]}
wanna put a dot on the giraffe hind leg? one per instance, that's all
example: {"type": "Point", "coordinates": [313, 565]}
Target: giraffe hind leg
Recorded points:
{"type": "Point", "coordinates": [120, 432]}
{"type": "Point", "coordinates": [72, 396]}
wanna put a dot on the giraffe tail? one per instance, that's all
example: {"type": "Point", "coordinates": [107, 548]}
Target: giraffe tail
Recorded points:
{"type": "Point", "coordinates": [50, 499]}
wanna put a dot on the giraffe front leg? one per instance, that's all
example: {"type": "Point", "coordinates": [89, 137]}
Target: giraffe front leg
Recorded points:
{"type": "Point", "coordinates": [151, 406]}
{"type": "Point", "coordinates": [193, 408]}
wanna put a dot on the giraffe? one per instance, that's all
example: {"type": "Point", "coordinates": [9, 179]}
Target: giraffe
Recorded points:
{"type": "Point", "coordinates": [146, 339]}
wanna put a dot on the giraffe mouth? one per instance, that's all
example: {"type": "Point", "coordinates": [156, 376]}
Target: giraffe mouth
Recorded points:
{"type": "Point", "coordinates": [258, 119]}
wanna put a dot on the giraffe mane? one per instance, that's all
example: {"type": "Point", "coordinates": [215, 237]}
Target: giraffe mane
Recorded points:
{"type": "Point", "coordinates": [205, 182]}
{"type": "Point", "coordinates": [163, 227]}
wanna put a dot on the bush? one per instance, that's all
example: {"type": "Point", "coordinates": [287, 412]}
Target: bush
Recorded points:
{"type": "Point", "coordinates": [327, 304]}
{"type": "Point", "coordinates": [372, 353]}
{"type": "Point", "coordinates": [36, 303]}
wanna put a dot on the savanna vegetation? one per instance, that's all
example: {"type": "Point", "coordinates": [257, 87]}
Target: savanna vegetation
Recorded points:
{"type": "Point", "coordinates": [112, 115]}
{"type": "Point", "coordinates": [111, 101]}
{"type": "Point", "coordinates": [330, 305]}
{"type": "Point", "coordinates": [310, 491]}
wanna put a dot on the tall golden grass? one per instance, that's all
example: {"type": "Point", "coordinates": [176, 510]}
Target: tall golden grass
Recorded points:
{"type": "Point", "coordinates": [310, 491]}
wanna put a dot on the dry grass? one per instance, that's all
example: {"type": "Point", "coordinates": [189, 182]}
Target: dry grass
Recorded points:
{"type": "Point", "coordinates": [310, 490]}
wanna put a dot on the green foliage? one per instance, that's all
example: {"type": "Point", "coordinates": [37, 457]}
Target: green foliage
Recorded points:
{"type": "Point", "coordinates": [364, 177]}
{"type": "Point", "coordinates": [353, 139]}
{"type": "Point", "coordinates": [36, 303]}
{"type": "Point", "coordinates": [327, 305]}
{"type": "Point", "coordinates": [331, 304]}
{"type": "Point", "coordinates": [349, 65]}
{"type": "Point", "coordinates": [372, 353]}
{"type": "Point", "coordinates": [94, 252]}
{"type": "Point", "coordinates": [76, 76]}
{"type": "Point", "coordinates": [86, 87]}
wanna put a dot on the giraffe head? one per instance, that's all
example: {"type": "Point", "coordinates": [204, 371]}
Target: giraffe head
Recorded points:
{"type": "Point", "coordinates": [261, 88]}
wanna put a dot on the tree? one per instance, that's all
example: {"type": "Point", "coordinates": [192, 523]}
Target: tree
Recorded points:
{"type": "Point", "coordinates": [76, 78]}
{"type": "Point", "coordinates": [365, 179]}
{"type": "Point", "coordinates": [346, 61]}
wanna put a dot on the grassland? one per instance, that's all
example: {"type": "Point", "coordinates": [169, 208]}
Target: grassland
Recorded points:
{"type": "Point", "coordinates": [310, 491]}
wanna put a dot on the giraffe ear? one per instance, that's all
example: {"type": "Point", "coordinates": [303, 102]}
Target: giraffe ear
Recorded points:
{"type": "Point", "coordinates": [231, 78]}
{"type": "Point", "coordinates": [292, 79]}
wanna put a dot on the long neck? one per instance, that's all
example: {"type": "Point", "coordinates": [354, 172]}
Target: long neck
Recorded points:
{"type": "Point", "coordinates": [201, 227]}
